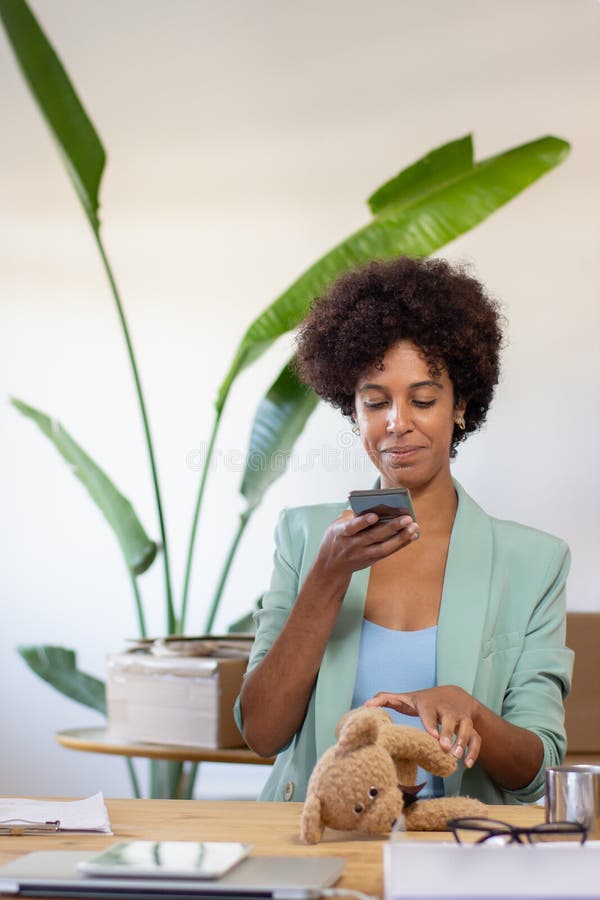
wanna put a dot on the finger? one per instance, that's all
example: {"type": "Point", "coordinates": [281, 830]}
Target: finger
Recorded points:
{"type": "Point", "coordinates": [383, 698]}
{"type": "Point", "coordinates": [447, 730]}
{"type": "Point", "coordinates": [392, 527]}
{"type": "Point", "coordinates": [463, 736]}
{"type": "Point", "coordinates": [382, 548]}
{"type": "Point", "coordinates": [473, 750]}
{"type": "Point", "coordinates": [357, 524]}
{"type": "Point", "coordinates": [400, 702]}
{"type": "Point", "coordinates": [430, 720]}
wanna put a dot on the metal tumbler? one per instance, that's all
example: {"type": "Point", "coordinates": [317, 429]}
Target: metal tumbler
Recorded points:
{"type": "Point", "coordinates": [573, 795]}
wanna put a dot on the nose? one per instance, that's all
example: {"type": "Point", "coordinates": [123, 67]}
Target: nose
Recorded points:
{"type": "Point", "coordinates": [398, 419]}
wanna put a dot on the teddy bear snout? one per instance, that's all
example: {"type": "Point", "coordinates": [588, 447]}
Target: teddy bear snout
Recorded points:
{"type": "Point", "coordinates": [381, 814]}
{"type": "Point", "coordinates": [369, 800]}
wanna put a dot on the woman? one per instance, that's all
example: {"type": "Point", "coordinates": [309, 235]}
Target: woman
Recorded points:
{"type": "Point", "coordinates": [456, 620]}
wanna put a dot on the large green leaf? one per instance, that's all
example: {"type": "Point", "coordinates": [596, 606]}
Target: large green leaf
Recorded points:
{"type": "Point", "coordinates": [459, 197]}
{"type": "Point", "coordinates": [431, 171]}
{"type": "Point", "coordinates": [58, 666]}
{"type": "Point", "coordinates": [279, 420]}
{"type": "Point", "coordinates": [139, 551]}
{"type": "Point", "coordinates": [77, 139]}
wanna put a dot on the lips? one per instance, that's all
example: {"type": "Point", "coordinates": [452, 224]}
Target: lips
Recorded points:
{"type": "Point", "coordinates": [400, 452]}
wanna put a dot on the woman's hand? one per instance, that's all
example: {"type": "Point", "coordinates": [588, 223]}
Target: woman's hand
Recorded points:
{"type": "Point", "coordinates": [445, 712]}
{"type": "Point", "coordinates": [355, 542]}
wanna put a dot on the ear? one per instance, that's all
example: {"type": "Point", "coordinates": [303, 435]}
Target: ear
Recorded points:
{"type": "Point", "coordinates": [371, 712]}
{"type": "Point", "coordinates": [460, 407]}
{"type": "Point", "coordinates": [341, 723]}
{"type": "Point", "coordinates": [358, 728]}
{"type": "Point", "coordinates": [311, 823]}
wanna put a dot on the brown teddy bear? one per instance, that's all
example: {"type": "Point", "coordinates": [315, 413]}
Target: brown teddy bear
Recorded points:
{"type": "Point", "coordinates": [367, 781]}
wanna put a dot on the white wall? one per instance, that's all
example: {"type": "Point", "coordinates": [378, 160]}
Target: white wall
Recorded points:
{"type": "Point", "coordinates": [242, 141]}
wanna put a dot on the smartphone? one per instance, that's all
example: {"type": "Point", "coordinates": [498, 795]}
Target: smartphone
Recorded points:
{"type": "Point", "coordinates": [165, 859]}
{"type": "Point", "coordinates": [386, 502]}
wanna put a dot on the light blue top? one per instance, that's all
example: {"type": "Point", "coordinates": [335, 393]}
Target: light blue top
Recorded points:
{"type": "Point", "coordinates": [398, 661]}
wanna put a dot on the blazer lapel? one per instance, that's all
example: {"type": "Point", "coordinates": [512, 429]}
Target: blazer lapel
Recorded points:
{"type": "Point", "coordinates": [337, 674]}
{"type": "Point", "coordinates": [464, 602]}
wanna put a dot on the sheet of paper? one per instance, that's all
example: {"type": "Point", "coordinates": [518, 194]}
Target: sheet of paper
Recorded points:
{"type": "Point", "coordinates": [89, 814]}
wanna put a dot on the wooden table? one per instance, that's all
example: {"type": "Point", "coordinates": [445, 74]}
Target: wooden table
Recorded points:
{"type": "Point", "coordinates": [99, 740]}
{"type": "Point", "coordinates": [271, 827]}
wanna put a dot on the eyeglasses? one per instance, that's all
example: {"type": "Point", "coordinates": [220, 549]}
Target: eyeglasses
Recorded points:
{"type": "Point", "coordinates": [480, 831]}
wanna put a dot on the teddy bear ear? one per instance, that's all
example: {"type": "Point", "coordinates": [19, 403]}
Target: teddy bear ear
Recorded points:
{"type": "Point", "coordinates": [359, 728]}
{"type": "Point", "coordinates": [311, 823]}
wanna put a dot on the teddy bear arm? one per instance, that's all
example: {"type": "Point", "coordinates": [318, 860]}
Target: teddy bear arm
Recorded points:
{"type": "Point", "coordinates": [432, 815]}
{"type": "Point", "coordinates": [406, 771]}
{"type": "Point", "coordinates": [407, 742]}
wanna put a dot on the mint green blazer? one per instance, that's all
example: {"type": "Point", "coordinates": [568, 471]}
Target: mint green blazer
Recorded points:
{"type": "Point", "coordinates": [501, 637]}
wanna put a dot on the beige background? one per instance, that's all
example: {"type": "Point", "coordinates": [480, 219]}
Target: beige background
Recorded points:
{"type": "Point", "coordinates": [243, 139]}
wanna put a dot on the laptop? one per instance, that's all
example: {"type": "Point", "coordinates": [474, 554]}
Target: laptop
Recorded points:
{"type": "Point", "coordinates": [53, 873]}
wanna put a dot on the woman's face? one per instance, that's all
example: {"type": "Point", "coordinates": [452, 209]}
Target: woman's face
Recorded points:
{"type": "Point", "coordinates": [406, 418]}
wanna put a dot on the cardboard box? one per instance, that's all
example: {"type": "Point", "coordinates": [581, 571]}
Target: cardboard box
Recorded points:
{"type": "Point", "coordinates": [174, 700]}
{"type": "Point", "coordinates": [582, 707]}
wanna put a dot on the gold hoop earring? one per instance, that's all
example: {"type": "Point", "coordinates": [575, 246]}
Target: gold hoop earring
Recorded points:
{"type": "Point", "coordinates": [460, 421]}
{"type": "Point", "coordinates": [355, 429]}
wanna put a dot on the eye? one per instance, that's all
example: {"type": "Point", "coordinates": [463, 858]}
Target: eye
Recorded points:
{"type": "Point", "coordinates": [423, 404]}
{"type": "Point", "coordinates": [358, 808]}
{"type": "Point", "coordinates": [379, 404]}
{"type": "Point", "coordinates": [373, 792]}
